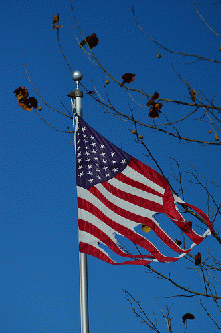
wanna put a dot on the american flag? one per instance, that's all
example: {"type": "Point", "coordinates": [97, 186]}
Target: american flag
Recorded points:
{"type": "Point", "coordinates": [116, 193]}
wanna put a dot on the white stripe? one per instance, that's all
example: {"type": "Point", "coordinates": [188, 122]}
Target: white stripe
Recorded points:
{"type": "Point", "coordinates": [133, 174]}
{"type": "Point", "coordinates": [140, 211]}
{"type": "Point", "coordinates": [86, 216]}
{"type": "Point", "coordinates": [84, 237]}
{"type": "Point", "coordinates": [93, 240]}
{"type": "Point", "coordinates": [85, 194]}
{"type": "Point", "coordinates": [177, 199]}
{"type": "Point", "coordinates": [130, 207]}
{"type": "Point", "coordinates": [90, 218]}
{"type": "Point", "coordinates": [135, 191]}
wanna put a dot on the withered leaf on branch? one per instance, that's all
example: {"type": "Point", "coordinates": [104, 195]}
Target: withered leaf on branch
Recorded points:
{"type": "Point", "coordinates": [153, 98]}
{"type": "Point", "coordinates": [55, 22]}
{"type": "Point", "coordinates": [187, 316]}
{"type": "Point", "coordinates": [197, 259]}
{"type": "Point", "coordinates": [33, 102]}
{"type": "Point", "coordinates": [158, 106]}
{"type": "Point", "coordinates": [21, 93]}
{"type": "Point", "coordinates": [216, 137]}
{"type": "Point", "coordinates": [155, 109]}
{"type": "Point", "coordinates": [26, 103]}
{"type": "Point", "coordinates": [193, 95]}
{"type": "Point", "coordinates": [55, 19]}
{"type": "Point", "coordinates": [92, 41]}
{"type": "Point", "coordinates": [128, 78]}
{"type": "Point", "coordinates": [154, 112]}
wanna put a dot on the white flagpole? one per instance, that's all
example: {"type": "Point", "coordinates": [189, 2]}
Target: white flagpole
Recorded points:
{"type": "Point", "coordinates": [77, 107]}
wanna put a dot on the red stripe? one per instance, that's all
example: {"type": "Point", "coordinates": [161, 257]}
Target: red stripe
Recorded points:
{"type": "Point", "coordinates": [147, 172]}
{"type": "Point", "coordinates": [138, 219]}
{"type": "Point", "coordinates": [127, 180]}
{"type": "Point", "coordinates": [118, 210]}
{"type": "Point", "coordinates": [133, 236]}
{"type": "Point", "coordinates": [104, 238]}
{"type": "Point", "coordinates": [169, 206]}
{"type": "Point", "coordinates": [134, 199]}
{"type": "Point", "coordinates": [174, 215]}
{"type": "Point", "coordinates": [89, 249]}
{"type": "Point", "coordinates": [203, 215]}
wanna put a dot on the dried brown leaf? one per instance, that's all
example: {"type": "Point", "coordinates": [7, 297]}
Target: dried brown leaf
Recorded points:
{"type": "Point", "coordinates": [92, 41]}
{"type": "Point", "coordinates": [187, 316]}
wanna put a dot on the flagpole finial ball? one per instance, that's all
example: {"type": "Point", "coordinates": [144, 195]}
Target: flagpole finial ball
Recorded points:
{"type": "Point", "coordinates": [77, 76]}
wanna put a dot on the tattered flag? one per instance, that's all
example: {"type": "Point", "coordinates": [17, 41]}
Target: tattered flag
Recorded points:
{"type": "Point", "coordinates": [117, 193]}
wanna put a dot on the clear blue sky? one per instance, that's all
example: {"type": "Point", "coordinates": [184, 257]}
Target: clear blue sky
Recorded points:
{"type": "Point", "coordinates": [39, 242]}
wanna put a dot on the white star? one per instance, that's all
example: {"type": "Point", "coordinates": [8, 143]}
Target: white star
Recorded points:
{"type": "Point", "coordinates": [95, 158]}
{"type": "Point", "coordinates": [92, 137]}
{"type": "Point", "coordinates": [112, 154]}
{"type": "Point", "coordinates": [114, 162]}
{"type": "Point", "coordinates": [79, 154]}
{"type": "Point", "coordinates": [88, 160]}
{"type": "Point", "coordinates": [123, 161]}
{"type": "Point", "coordinates": [90, 180]}
{"type": "Point", "coordinates": [79, 160]}
{"type": "Point", "coordinates": [81, 174]}
{"type": "Point", "coordinates": [89, 173]}
{"type": "Point", "coordinates": [105, 168]}
{"type": "Point", "coordinates": [107, 175]}
{"type": "Point", "coordinates": [78, 147]}
{"type": "Point", "coordinates": [98, 177]}
{"type": "Point", "coordinates": [93, 144]}
{"type": "Point", "coordinates": [115, 169]}
{"type": "Point", "coordinates": [104, 161]}
{"type": "Point", "coordinates": [94, 151]}
{"type": "Point", "coordinates": [89, 166]}
{"type": "Point", "coordinates": [87, 153]}
{"type": "Point", "coordinates": [80, 167]}
{"type": "Point", "coordinates": [83, 129]}
{"type": "Point", "coordinates": [102, 154]}
{"type": "Point", "coordinates": [102, 146]}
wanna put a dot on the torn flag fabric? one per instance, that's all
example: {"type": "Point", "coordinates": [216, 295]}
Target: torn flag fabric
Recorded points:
{"type": "Point", "coordinates": [116, 193]}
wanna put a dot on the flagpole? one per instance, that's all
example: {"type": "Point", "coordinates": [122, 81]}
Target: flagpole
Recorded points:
{"type": "Point", "coordinates": [77, 107]}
